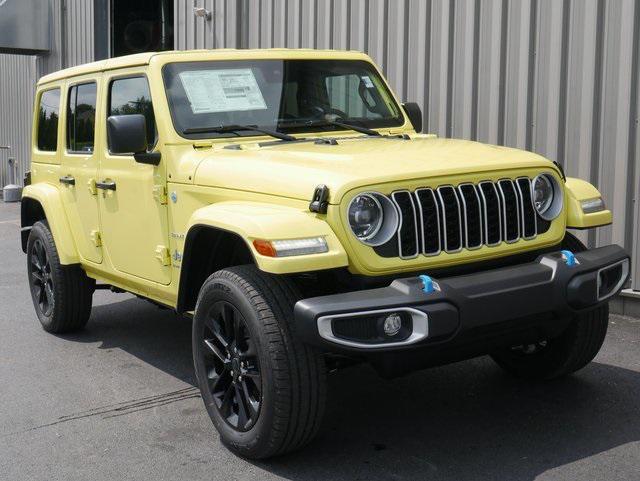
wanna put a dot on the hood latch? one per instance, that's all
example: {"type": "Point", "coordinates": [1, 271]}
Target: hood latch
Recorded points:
{"type": "Point", "coordinates": [319, 201]}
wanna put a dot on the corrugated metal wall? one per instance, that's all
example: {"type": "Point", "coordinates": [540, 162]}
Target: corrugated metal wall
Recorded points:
{"type": "Point", "coordinates": [16, 99]}
{"type": "Point", "coordinates": [71, 44]}
{"type": "Point", "coordinates": [222, 31]}
{"type": "Point", "coordinates": [558, 77]}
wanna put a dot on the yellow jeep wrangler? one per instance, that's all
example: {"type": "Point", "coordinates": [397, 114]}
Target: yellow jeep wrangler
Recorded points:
{"type": "Point", "coordinates": [286, 201]}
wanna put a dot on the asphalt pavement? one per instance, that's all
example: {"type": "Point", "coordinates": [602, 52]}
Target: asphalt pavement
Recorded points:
{"type": "Point", "coordinates": [117, 402]}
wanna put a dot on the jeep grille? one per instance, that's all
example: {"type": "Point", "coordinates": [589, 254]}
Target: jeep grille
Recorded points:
{"type": "Point", "coordinates": [467, 216]}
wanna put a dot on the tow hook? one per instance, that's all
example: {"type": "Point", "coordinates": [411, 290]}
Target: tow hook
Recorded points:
{"type": "Point", "coordinates": [569, 258]}
{"type": "Point", "coordinates": [428, 284]}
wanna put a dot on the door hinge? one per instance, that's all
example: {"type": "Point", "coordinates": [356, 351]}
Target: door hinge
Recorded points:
{"type": "Point", "coordinates": [96, 238]}
{"type": "Point", "coordinates": [91, 184]}
{"type": "Point", "coordinates": [163, 255]}
{"type": "Point", "coordinates": [160, 193]}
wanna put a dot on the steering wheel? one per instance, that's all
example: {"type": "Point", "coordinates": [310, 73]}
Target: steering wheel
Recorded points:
{"type": "Point", "coordinates": [339, 113]}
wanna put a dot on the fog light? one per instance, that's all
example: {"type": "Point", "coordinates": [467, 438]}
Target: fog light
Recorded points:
{"type": "Point", "coordinates": [392, 324]}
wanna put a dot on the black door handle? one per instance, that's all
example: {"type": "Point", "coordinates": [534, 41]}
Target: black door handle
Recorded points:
{"type": "Point", "coordinates": [106, 185]}
{"type": "Point", "coordinates": [68, 180]}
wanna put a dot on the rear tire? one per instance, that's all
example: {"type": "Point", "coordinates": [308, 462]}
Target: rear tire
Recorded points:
{"type": "Point", "coordinates": [62, 295]}
{"type": "Point", "coordinates": [263, 389]}
{"type": "Point", "coordinates": [571, 351]}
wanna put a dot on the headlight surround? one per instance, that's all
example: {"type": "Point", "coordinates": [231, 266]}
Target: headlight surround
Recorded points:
{"type": "Point", "coordinates": [373, 218]}
{"type": "Point", "coordinates": [546, 194]}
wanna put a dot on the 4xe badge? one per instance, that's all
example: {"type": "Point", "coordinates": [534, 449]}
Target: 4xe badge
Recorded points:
{"type": "Point", "coordinates": [174, 197]}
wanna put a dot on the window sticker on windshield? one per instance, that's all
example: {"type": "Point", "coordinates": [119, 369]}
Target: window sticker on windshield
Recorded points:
{"type": "Point", "coordinates": [367, 81]}
{"type": "Point", "coordinates": [228, 90]}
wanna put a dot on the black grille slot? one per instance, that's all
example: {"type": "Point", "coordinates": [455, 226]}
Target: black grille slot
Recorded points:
{"type": "Point", "coordinates": [492, 220]}
{"type": "Point", "coordinates": [528, 213]}
{"type": "Point", "coordinates": [471, 215]}
{"type": "Point", "coordinates": [408, 233]}
{"type": "Point", "coordinates": [451, 218]}
{"type": "Point", "coordinates": [430, 216]}
{"type": "Point", "coordinates": [510, 210]}
{"type": "Point", "coordinates": [355, 328]}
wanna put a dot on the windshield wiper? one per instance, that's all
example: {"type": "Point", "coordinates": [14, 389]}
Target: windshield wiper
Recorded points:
{"type": "Point", "coordinates": [336, 123]}
{"type": "Point", "coordinates": [220, 129]}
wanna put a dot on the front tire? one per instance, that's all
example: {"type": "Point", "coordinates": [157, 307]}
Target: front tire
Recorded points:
{"type": "Point", "coordinates": [62, 295]}
{"type": "Point", "coordinates": [566, 354]}
{"type": "Point", "coordinates": [263, 389]}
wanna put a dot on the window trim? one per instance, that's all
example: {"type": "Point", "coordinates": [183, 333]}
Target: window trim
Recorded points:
{"type": "Point", "coordinates": [66, 114]}
{"type": "Point", "coordinates": [110, 82]}
{"type": "Point", "coordinates": [36, 143]}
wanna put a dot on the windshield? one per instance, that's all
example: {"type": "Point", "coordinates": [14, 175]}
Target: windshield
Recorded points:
{"type": "Point", "coordinates": [288, 96]}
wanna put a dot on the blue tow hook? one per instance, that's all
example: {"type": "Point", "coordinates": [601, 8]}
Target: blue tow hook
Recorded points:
{"type": "Point", "coordinates": [569, 258]}
{"type": "Point", "coordinates": [428, 285]}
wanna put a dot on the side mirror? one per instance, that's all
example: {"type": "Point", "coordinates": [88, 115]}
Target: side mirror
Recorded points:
{"type": "Point", "coordinates": [127, 134]}
{"type": "Point", "coordinates": [414, 113]}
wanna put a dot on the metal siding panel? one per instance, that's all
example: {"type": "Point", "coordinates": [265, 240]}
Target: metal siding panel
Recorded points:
{"type": "Point", "coordinates": [634, 157]}
{"type": "Point", "coordinates": [17, 78]}
{"type": "Point", "coordinates": [614, 161]}
{"type": "Point", "coordinates": [488, 79]}
{"type": "Point", "coordinates": [518, 54]}
{"type": "Point", "coordinates": [464, 76]}
{"type": "Point", "coordinates": [439, 74]}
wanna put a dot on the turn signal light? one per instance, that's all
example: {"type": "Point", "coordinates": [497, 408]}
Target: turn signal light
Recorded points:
{"type": "Point", "coordinates": [291, 247]}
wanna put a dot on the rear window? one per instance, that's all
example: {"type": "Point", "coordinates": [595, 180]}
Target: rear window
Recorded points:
{"type": "Point", "coordinates": [81, 117]}
{"type": "Point", "coordinates": [48, 114]}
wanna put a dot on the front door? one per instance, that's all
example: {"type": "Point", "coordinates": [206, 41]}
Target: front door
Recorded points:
{"type": "Point", "coordinates": [79, 167]}
{"type": "Point", "coordinates": [133, 210]}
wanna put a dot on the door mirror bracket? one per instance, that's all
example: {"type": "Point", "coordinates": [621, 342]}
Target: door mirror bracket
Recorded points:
{"type": "Point", "coordinates": [149, 158]}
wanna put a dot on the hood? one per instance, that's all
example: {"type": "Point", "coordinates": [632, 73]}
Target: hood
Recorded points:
{"type": "Point", "coordinates": [294, 169]}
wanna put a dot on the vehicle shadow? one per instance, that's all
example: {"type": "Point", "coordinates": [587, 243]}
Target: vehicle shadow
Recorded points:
{"type": "Point", "coordinates": [464, 421]}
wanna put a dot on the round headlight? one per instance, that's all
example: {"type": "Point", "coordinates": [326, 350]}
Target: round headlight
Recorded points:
{"type": "Point", "coordinates": [547, 196]}
{"type": "Point", "coordinates": [365, 216]}
{"type": "Point", "coordinates": [373, 218]}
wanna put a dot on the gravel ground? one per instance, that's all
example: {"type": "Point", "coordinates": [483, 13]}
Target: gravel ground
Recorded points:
{"type": "Point", "coordinates": [117, 402]}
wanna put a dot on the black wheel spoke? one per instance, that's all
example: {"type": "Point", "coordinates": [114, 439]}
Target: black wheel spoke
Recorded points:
{"type": "Point", "coordinates": [243, 415]}
{"type": "Point", "coordinates": [37, 276]}
{"type": "Point", "coordinates": [215, 350]}
{"type": "Point", "coordinates": [42, 257]}
{"type": "Point", "coordinates": [252, 404]}
{"type": "Point", "coordinates": [49, 294]}
{"type": "Point", "coordinates": [227, 402]}
{"type": "Point", "coordinates": [237, 330]}
{"type": "Point", "coordinates": [36, 263]}
{"type": "Point", "coordinates": [227, 319]}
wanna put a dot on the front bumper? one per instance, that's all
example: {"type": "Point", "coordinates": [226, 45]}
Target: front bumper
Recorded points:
{"type": "Point", "coordinates": [480, 310]}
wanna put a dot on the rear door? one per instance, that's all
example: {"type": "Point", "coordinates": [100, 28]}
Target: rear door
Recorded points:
{"type": "Point", "coordinates": [79, 165]}
{"type": "Point", "coordinates": [131, 196]}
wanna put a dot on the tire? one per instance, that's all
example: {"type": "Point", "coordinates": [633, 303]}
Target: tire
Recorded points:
{"type": "Point", "coordinates": [245, 352]}
{"type": "Point", "coordinates": [62, 295]}
{"type": "Point", "coordinates": [571, 351]}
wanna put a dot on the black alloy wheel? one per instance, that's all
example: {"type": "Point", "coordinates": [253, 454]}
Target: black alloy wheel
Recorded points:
{"type": "Point", "coordinates": [231, 363]}
{"type": "Point", "coordinates": [42, 284]}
